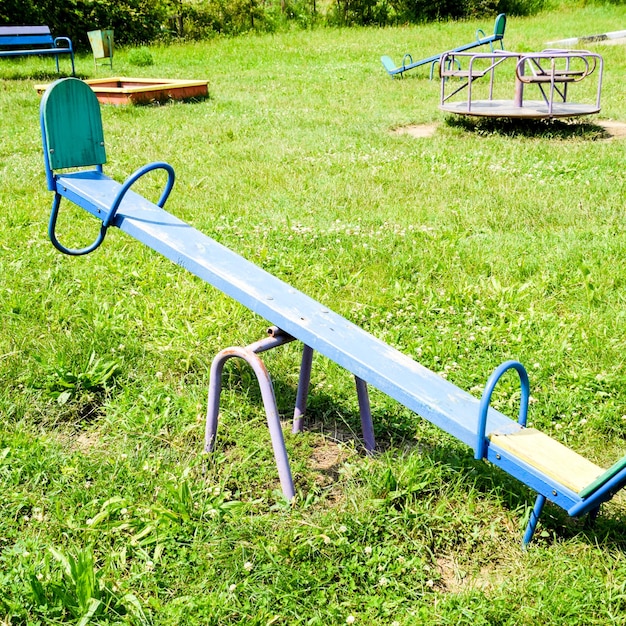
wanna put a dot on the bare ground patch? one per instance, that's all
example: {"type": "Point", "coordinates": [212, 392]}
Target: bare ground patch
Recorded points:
{"type": "Point", "coordinates": [418, 130]}
{"type": "Point", "coordinates": [615, 130]}
{"type": "Point", "coordinates": [326, 460]}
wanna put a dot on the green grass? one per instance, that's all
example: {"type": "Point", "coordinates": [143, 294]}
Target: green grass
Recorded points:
{"type": "Point", "coordinates": [476, 245]}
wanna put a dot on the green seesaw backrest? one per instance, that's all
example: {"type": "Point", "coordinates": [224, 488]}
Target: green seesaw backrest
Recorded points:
{"type": "Point", "coordinates": [72, 125]}
{"type": "Point", "coordinates": [500, 25]}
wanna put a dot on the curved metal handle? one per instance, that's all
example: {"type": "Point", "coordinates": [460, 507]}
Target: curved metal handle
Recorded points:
{"type": "Point", "coordinates": [479, 451]}
{"type": "Point", "coordinates": [107, 221]}
{"type": "Point", "coordinates": [58, 245]}
{"type": "Point", "coordinates": [133, 178]}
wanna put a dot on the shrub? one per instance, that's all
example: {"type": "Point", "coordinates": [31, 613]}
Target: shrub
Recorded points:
{"type": "Point", "coordinates": [142, 21]}
{"type": "Point", "coordinates": [140, 57]}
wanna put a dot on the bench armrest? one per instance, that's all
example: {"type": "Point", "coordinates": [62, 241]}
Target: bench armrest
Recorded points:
{"type": "Point", "coordinates": [68, 42]}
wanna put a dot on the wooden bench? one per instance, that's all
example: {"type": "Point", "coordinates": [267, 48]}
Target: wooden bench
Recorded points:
{"type": "Point", "coordinates": [20, 41]}
{"type": "Point", "coordinates": [73, 137]}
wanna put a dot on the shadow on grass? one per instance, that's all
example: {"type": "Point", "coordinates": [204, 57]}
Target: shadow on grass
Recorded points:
{"type": "Point", "coordinates": [529, 128]}
{"type": "Point", "coordinates": [166, 101]}
{"type": "Point", "coordinates": [406, 433]}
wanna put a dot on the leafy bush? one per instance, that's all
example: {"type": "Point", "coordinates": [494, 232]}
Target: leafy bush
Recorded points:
{"type": "Point", "coordinates": [140, 57]}
{"type": "Point", "coordinates": [383, 12]}
{"type": "Point", "coordinates": [142, 21]}
{"type": "Point", "coordinates": [360, 13]}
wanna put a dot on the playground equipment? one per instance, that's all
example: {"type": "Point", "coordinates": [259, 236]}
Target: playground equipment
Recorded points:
{"type": "Point", "coordinates": [72, 137]}
{"type": "Point", "coordinates": [481, 40]}
{"type": "Point", "coordinates": [552, 71]}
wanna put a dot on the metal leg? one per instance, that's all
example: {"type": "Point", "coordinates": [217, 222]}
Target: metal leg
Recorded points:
{"type": "Point", "coordinates": [592, 516]}
{"type": "Point", "coordinates": [303, 389]}
{"type": "Point", "coordinates": [366, 415]}
{"type": "Point", "coordinates": [249, 354]}
{"type": "Point", "coordinates": [534, 518]}
{"type": "Point", "coordinates": [269, 402]}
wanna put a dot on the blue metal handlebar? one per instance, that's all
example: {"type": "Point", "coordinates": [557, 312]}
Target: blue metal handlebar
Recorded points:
{"type": "Point", "coordinates": [479, 451]}
{"type": "Point", "coordinates": [107, 221]}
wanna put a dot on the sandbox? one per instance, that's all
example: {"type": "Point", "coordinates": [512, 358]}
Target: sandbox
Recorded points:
{"type": "Point", "coordinates": [122, 90]}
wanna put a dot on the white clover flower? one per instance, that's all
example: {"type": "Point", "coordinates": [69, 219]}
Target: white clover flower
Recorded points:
{"type": "Point", "coordinates": [247, 566]}
{"type": "Point", "coordinates": [350, 619]}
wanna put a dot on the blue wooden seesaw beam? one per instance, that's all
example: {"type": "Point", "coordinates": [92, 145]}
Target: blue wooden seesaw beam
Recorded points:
{"type": "Point", "coordinates": [73, 138]}
{"type": "Point", "coordinates": [481, 40]}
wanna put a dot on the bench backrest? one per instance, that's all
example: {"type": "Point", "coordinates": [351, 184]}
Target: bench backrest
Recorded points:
{"type": "Point", "coordinates": [72, 124]}
{"type": "Point", "coordinates": [19, 36]}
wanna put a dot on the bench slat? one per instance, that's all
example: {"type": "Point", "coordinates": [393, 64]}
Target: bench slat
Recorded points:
{"type": "Point", "coordinates": [43, 40]}
{"type": "Point", "coordinates": [24, 30]}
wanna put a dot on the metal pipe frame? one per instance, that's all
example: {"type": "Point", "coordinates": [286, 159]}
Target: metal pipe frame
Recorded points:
{"type": "Point", "coordinates": [277, 337]}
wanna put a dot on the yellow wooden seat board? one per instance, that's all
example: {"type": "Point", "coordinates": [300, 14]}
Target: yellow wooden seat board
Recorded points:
{"type": "Point", "coordinates": [550, 457]}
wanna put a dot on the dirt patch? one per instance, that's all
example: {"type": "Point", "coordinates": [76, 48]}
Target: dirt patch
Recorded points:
{"type": "Point", "coordinates": [454, 579]}
{"type": "Point", "coordinates": [418, 130]}
{"type": "Point", "coordinates": [84, 442]}
{"type": "Point", "coordinates": [326, 456]}
{"type": "Point", "coordinates": [616, 130]}
{"type": "Point", "coordinates": [326, 459]}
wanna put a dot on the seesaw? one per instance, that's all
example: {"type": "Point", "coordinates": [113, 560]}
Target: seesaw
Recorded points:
{"type": "Point", "coordinates": [73, 137]}
{"type": "Point", "coordinates": [481, 40]}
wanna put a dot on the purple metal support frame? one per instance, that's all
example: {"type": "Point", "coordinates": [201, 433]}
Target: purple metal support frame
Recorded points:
{"type": "Point", "coordinates": [303, 389]}
{"type": "Point", "coordinates": [249, 353]}
{"type": "Point", "coordinates": [366, 415]}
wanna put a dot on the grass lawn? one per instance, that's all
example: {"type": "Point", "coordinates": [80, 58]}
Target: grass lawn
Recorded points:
{"type": "Point", "coordinates": [463, 248]}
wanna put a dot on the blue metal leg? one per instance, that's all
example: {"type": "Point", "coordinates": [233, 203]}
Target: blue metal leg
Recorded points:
{"type": "Point", "coordinates": [592, 516]}
{"type": "Point", "coordinates": [534, 518]}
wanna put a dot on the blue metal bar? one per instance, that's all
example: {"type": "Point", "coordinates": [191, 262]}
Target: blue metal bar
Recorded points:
{"type": "Point", "coordinates": [534, 518]}
{"type": "Point", "coordinates": [479, 450]}
{"type": "Point", "coordinates": [108, 218]}
{"type": "Point", "coordinates": [52, 223]}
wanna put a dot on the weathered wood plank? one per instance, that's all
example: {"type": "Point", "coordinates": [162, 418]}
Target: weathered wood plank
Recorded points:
{"type": "Point", "coordinates": [550, 457]}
